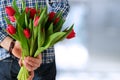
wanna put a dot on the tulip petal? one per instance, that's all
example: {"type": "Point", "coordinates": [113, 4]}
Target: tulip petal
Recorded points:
{"type": "Point", "coordinates": [71, 35]}
{"type": "Point", "coordinates": [26, 33]}
{"type": "Point", "coordinates": [11, 29]}
{"type": "Point", "coordinates": [10, 11]}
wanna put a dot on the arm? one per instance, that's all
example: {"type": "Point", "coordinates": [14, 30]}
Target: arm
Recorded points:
{"type": "Point", "coordinates": [3, 43]}
{"type": "Point", "coordinates": [16, 51]}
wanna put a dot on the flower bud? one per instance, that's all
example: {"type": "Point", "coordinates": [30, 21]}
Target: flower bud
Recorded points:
{"type": "Point", "coordinates": [36, 21]}
{"type": "Point", "coordinates": [51, 16]}
{"type": "Point", "coordinates": [27, 33]}
{"type": "Point", "coordinates": [12, 18]}
{"type": "Point", "coordinates": [11, 29]}
{"type": "Point", "coordinates": [32, 13]}
{"type": "Point", "coordinates": [10, 11]}
{"type": "Point", "coordinates": [71, 35]}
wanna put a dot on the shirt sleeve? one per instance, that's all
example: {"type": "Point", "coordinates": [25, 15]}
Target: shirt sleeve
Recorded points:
{"type": "Point", "coordinates": [60, 5]}
{"type": "Point", "coordinates": [3, 34]}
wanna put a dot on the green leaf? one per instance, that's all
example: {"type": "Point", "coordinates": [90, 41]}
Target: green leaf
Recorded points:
{"type": "Point", "coordinates": [15, 7]}
{"type": "Point", "coordinates": [23, 40]}
{"type": "Point", "coordinates": [58, 27]}
{"type": "Point", "coordinates": [31, 41]}
{"type": "Point", "coordinates": [63, 36]}
{"type": "Point", "coordinates": [59, 14]}
{"type": "Point", "coordinates": [30, 25]}
{"type": "Point", "coordinates": [7, 20]}
{"type": "Point", "coordinates": [36, 6]}
{"type": "Point", "coordinates": [35, 31]}
{"type": "Point", "coordinates": [14, 36]}
{"type": "Point", "coordinates": [53, 38]}
{"type": "Point", "coordinates": [21, 20]}
{"type": "Point", "coordinates": [39, 50]}
{"type": "Point", "coordinates": [45, 21]}
{"type": "Point", "coordinates": [32, 46]}
{"type": "Point", "coordinates": [50, 30]}
{"type": "Point", "coordinates": [23, 5]}
{"type": "Point", "coordinates": [41, 36]}
{"type": "Point", "coordinates": [26, 20]}
{"type": "Point", "coordinates": [43, 16]}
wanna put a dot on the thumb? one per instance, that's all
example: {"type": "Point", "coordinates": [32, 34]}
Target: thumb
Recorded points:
{"type": "Point", "coordinates": [31, 75]}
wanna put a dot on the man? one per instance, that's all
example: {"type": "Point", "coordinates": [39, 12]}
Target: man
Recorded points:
{"type": "Point", "coordinates": [43, 66]}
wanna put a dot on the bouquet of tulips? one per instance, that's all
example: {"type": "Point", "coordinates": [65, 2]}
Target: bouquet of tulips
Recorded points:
{"type": "Point", "coordinates": [35, 29]}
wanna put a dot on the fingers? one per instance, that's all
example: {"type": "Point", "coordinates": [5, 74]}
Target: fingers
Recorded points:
{"type": "Point", "coordinates": [29, 67]}
{"type": "Point", "coordinates": [31, 75]}
{"type": "Point", "coordinates": [20, 62]}
{"type": "Point", "coordinates": [32, 63]}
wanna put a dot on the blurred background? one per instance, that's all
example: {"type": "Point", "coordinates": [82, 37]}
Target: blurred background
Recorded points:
{"type": "Point", "coordinates": [94, 54]}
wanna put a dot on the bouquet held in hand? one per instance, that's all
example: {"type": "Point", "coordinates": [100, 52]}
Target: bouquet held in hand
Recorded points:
{"type": "Point", "coordinates": [36, 30]}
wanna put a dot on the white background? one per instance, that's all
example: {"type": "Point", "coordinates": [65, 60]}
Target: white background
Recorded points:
{"type": "Point", "coordinates": [95, 51]}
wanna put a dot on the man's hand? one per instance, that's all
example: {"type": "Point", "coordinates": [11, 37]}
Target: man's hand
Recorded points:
{"type": "Point", "coordinates": [32, 63]}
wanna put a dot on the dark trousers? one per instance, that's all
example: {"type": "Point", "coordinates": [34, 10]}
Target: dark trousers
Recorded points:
{"type": "Point", "coordinates": [9, 69]}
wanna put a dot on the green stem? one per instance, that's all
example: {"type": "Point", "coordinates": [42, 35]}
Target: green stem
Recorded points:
{"type": "Point", "coordinates": [23, 74]}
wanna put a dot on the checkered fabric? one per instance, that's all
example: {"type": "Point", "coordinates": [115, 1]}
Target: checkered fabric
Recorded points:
{"type": "Point", "coordinates": [48, 55]}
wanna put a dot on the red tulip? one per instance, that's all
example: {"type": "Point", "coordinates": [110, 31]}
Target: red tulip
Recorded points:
{"type": "Point", "coordinates": [32, 12]}
{"type": "Point", "coordinates": [56, 20]}
{"type": "Point", "coordinates": [11, 29]}
{"type": "Point", "coordinates": [27, 9]}
{"type": "Point", "coordinates": [12, 18]}
{"type": "Point", "coordinates": [10, 11]}
{"type": "Point", "coordinates": [51, 16]}
{"type": "Point", "coordinates": [26, 33]}
{"type": "Point", "coordinates": [71, 35]}
{"type": "Point", "coordinates": [36, 21]}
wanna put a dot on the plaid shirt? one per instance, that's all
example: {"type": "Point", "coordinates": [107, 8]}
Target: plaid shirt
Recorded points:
{"type": "Point", "coordinates": [54, 5]}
